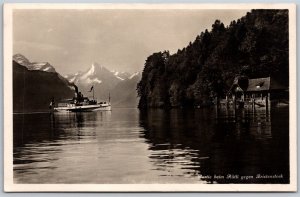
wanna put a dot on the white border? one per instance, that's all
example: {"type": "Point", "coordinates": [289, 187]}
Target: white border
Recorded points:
{"type": "Point", "coordinates": [9, 186]}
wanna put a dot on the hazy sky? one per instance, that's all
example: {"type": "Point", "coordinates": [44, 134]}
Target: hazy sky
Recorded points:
{"type": "Point", "coordinates": [71, 40]}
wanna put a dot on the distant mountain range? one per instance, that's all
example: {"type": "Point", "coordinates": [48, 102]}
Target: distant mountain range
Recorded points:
{"type": "Point", "coordinates": [121, 86]}
{"type": "Point", "coordinates": [35, 83]}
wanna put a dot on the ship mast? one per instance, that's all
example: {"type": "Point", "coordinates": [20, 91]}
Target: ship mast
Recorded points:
{"type": "Point", "coordinates": [92, 89]}
{"type": "Point", "coordinates": [93, 93]}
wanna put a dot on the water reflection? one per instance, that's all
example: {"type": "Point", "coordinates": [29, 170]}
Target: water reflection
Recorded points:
{"type": "Point", "coordinates": [40, 139]}
{"type": "Point", "coordinates": [210, 143]}
{"type": "Point", "coordinates": [154, 146]}
{"type": "Point", "coordinates": [33, 128]}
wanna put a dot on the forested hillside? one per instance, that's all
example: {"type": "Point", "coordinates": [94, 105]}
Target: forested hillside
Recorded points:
{"type": "Point", "coordinates": [255, 45]}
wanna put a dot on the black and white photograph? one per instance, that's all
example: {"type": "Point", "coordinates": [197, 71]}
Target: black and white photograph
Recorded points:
{"type": "Point", "coordinates": [150, 97]}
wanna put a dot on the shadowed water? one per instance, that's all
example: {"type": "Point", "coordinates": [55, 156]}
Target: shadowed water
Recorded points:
{"type": "Point", "coordinates": [154, 146]}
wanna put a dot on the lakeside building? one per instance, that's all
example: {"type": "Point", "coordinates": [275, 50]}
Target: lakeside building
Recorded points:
{"type": "Point", "coordinates": [258, 92]}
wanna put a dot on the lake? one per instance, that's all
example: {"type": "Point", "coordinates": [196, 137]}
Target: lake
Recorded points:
{"type": "Point", "coordinates": [126, 145]}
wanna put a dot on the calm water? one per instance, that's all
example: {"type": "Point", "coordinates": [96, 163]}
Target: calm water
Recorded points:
{"type": "Point", "coordinates": [157, 146]}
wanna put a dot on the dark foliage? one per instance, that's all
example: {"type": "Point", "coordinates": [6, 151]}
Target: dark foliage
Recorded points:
{"type": "Point", "coordinates": [255, 45]}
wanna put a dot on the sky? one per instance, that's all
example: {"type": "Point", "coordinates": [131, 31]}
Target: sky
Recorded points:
{"type": "Point", "coordinates": [71, 40]}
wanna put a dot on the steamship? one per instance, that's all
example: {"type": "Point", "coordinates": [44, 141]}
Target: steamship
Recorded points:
{"type": "Point", "coordinates": [80, 104]}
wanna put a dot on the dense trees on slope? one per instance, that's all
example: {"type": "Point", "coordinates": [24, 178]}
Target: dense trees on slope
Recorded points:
{"type": "Point", "coordinates": [255, 45]}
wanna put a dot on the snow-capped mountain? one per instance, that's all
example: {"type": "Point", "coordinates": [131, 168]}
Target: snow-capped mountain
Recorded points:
{"type": "Point", "coordinates": [120, 85]}
{"type": "Point", "coordinates": [121, 75]}
{"type": "Point", "coordinates": [136, 74]}
{"type": "Point", "coordinates": [96, 74]}
{"type": "Point", "coordinates": [124, 94]}
{"type": "Point", "coordinates": [42, 66]}
{"type": "Point", "coordinates": [22, 60]}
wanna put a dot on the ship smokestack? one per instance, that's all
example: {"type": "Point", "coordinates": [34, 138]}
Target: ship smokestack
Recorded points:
{"type": "Point", "coordinates": [76, 90]}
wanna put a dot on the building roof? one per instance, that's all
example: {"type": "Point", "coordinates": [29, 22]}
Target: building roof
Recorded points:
{"type": "Point", "coordinates": [243, 84]}
{"type": "Point", "coordinates": [259, 84]}
{"type": "Point", "coordinates": [239, 84]}
{"type": "Point", "coordinates": [263, 84]}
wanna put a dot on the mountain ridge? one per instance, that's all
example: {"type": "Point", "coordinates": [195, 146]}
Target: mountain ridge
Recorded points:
{"type": "Point", "coordinates": [34, 89]}
{"type": "Point", "coordinates": [42, 66]}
